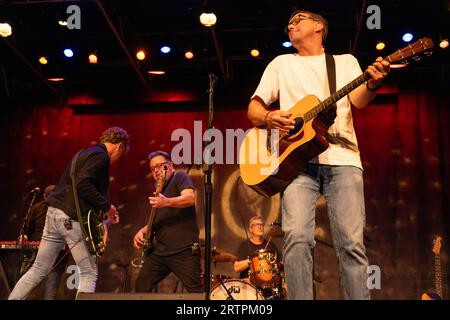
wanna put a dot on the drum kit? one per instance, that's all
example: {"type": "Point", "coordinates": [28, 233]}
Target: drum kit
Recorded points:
{"type": "Point", "coordinates": [265, 282]}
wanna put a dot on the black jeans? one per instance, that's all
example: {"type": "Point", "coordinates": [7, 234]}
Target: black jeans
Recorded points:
{"type": "Point", "coordinates": [185, 265]}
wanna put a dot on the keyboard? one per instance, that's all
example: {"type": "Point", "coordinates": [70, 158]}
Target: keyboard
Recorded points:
{"type": "Point", "coordinates": [13, 245]}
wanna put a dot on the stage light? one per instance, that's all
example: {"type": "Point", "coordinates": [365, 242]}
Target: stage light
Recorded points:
{"type": "Point", "coordinates": [254, 53]}
{"type": "Point", "coordinates": [140, 55]}
{"type": "Point", "coordinates": [189, 55]}
{"type": "Point", "coordinates": [156, 72]}
{"type": "Point", "coordinates": [443, 44]}
{"type": "Point", "coordinates": [43, 60]}
{"type": "Point", "coordinates": [68, 53]}
{"type": "Point", "coordinates": [287, 44]}
{"type": "Point", "coordinates": [208, 19]}
{"type": "Point", "coordinates": [93, 58]}
{"type": "Point", "coordinates": [380, 45]}
{"type": "Point", "coordinates": [5, 30]}
{"type": "Point", "coordinates": [407, 37]}
{"type": "Point", "coordinates": [62, 23]}
{"type": "Point", "coordinates": [56, 79]}
{"type": "Point", "coordinates": [165, 49]}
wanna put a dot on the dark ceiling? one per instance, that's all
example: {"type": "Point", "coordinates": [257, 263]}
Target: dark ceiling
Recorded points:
{"type": "Point", "coordinates": [116, 29]}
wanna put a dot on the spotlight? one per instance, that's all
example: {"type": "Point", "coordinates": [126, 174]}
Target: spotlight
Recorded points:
{"type": "Point", "coordinates": [68, 53]}
{"type": "Point", "coordinates": [156, 72]}
{"type": "Point", "coordinates": [62, 23]}
{"type": "Point", "coordinates": [254, 53]}
{"type": "Point", "coordinates": [56, 79]}
{"type": "Point", "coordinates": [407, 37]}
{"type": "Point", "coordinates": [5, 30]}
{"type": "Point", "coordinates": [165, 49]}
{"type": "Point", "coordinates": [140, 55]}
{"type": "Point", "coordinates": [208, 19]}
{"type": "Point", "coordinates": [93, 58]}
{"type": "Point", "coordinates": [380, 46]}
{"type": "Point", "coordinates": [443, 44]}
{"type": "Point", "coordinates": [43, 60]}
{"type": "Point", "coordinates": [189, 55]}
{"type": "Point", "coordinates": [287, 44]}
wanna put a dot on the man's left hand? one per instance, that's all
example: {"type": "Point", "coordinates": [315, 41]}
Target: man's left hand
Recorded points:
{"type": "Point", "coordinates": [378, 71]}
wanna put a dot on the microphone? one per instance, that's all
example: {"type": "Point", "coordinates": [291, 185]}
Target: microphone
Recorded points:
{"type": "Point", "coordinates": [213, 78]}
{"type": "Point", "coordinates": [35, 190]}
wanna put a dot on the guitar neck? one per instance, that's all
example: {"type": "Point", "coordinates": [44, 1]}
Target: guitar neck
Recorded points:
{"type": "Point", "coordinates": [438, 275]}
{"type": "Point", "coordinates": [335, 97]}
{"type": "Point", "coordinates": [151, 219]}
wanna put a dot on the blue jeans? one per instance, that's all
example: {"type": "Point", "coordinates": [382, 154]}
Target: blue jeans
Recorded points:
{"type": "Point", "coordinates": [51, 282]}
{"type": "Point", "coordinates": [54, 238]}
{"type": "Point", "coordinates": [342, 187]}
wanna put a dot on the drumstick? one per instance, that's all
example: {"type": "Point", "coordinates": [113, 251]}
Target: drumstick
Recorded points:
{"type": "Point", "coordinates": [267, 244]}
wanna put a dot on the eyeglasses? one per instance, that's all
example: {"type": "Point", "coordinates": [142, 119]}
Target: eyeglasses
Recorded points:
{"type": "Point", "coordinates": [158, 166]}
{"type": "Point", "coordinates": [261, 225]}
{"type": "Point", "coordinates": [295, 21]}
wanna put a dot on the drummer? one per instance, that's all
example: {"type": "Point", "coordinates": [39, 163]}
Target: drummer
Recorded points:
{"type": "Point", "coordinates": [249, 249]}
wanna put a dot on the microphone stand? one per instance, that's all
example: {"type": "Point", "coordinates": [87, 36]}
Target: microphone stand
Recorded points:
{"type": "Point", "coordinates": [208, 190]}
{"type": "Point", "coordinates": [21, 234]}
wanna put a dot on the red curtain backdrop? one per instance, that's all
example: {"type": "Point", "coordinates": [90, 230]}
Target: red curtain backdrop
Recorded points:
{"type": "Point", "coordinates": [404, 142]}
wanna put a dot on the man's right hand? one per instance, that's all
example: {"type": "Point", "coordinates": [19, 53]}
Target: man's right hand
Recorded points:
{"type": "Point", "coordinates": [139, 238]}
{"type": "Point", "coordinates": [279, 119]}
{"type": "Point", "coordinates": [112, 213]}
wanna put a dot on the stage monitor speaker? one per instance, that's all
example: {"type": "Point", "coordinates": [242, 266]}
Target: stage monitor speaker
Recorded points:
{"type": "Point", "coordinates": [140, 296]}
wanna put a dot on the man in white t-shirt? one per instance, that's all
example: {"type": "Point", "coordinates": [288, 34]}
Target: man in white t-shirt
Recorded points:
{"type": "Point", "coordinates": [337, 172]}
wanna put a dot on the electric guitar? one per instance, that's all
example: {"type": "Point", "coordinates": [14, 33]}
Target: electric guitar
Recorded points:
{"type": "Point", "coordinates": [97, 231]}
{"type": "Point", "coordinates": [437, 295]}
{"type": "Point", "coordinates": [148, 239]}
{"type": "Point", "coordinates": [270, 161]}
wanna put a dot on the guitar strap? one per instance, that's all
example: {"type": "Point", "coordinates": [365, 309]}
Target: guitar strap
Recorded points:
{"type": "Point", "coordinates": [75, 193]}
{"type": "Point", "coordinates": [329, 115]}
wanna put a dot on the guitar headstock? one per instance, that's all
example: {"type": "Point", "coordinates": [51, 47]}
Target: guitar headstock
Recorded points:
{"type": "Point", "coordinates": [412, 51]}
{"type": "Point", "coordinates": [161, 179]}
{"type": "Point", "coordinates": [437, 243]}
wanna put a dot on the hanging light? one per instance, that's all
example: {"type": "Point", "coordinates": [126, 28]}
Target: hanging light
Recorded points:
{"type": "Point", "coordinates": [5, 30]}
{"type": "Point", "coordinates": [93, 58]}
{"type": "Point", "coordinates": [254, 53]}
{"type": "Point", "coordinates": [43, 60]}
{"type": "Point", "coordinates": [189, 55]}
{"type": "Point", "coordinates": [380, 45]}
{"type": "Point", "coordinates": [208, 19]}
{"type": "Point", "coordinates": [140, 55]}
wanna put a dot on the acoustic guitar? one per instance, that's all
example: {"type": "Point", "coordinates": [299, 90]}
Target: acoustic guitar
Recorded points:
{"type": "Point", "coordinates": [270, 161]}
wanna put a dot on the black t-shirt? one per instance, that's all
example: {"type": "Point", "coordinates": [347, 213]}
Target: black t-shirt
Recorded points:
{"type": "Point", "coordinates": [243, 252]}
{"type": "Point", "coordinates": [175, 229]}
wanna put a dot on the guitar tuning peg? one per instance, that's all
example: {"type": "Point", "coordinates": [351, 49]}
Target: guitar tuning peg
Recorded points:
{"type": "Point", "coordinates": [417, 58]}
{"type": "Point", "coordinates": [429, 53]}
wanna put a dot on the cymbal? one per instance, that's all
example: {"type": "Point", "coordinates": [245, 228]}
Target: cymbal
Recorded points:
{"type": "Point", "coordinates": [222, 256]}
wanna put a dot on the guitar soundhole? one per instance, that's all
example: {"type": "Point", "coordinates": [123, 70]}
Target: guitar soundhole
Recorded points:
{"type": "Point", "coordinates": [297, 127]}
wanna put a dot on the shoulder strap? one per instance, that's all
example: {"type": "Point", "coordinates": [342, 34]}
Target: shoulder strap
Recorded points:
{"type": "Point", "coordinates": [331, 72]}
{"type": "Point", "coordinates": [329, 115]}
{"type": "Point", "coordinates": [75, 193]}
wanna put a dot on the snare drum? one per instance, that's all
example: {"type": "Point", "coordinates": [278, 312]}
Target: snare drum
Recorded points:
{"type": "Point", "coordinates": [237, 289]}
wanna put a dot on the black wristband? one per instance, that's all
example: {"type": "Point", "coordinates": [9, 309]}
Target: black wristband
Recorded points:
{"type": "Point", "coordinates": [372, 89]}
{"type": "Point", "coordinates": [265, 118]}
